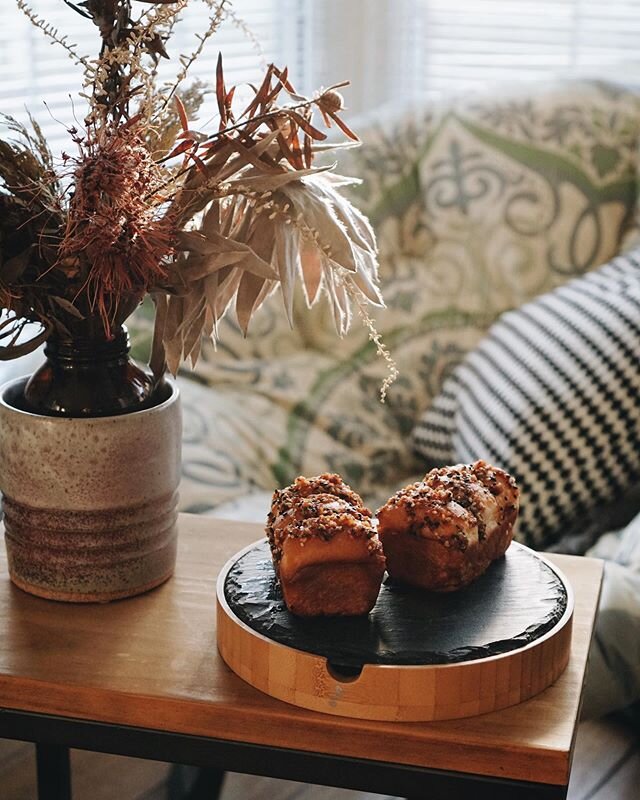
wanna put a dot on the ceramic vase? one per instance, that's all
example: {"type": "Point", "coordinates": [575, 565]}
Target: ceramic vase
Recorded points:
{"type": "Point", "coordinates": [90, 504]}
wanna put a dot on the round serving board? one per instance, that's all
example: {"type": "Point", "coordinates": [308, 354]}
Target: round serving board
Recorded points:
{"type": "Point", "coordinates": [417, 656]}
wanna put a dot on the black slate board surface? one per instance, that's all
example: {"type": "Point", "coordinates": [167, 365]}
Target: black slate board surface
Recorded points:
{"type": "Point", "coordinates": [515, 602]}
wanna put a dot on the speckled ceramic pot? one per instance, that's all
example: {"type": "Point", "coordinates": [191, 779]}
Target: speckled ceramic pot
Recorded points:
{"type": "Point", "coordinates": [90, 505]}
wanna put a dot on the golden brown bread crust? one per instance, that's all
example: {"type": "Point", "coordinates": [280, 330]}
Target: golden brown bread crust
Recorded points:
{"type": "Point", "coordinates": [327, 484]}
{"type": "Point", "coordinates": [325, 549]}
{"type": "Point", "coordinates": [443, 532]}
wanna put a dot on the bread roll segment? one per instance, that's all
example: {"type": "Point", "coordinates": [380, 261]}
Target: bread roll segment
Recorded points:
{"type": "Point", "coordinates": [326, 553]}
{"type": "Point", "coordinates": [443, 532]}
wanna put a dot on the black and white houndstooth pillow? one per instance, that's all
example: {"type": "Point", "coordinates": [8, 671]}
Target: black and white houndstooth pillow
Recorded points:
{"type": "Point", "coordinates": [551, 394]}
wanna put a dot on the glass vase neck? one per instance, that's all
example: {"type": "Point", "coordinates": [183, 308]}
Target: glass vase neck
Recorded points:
{"type": "Point", "coordinates": [90, 349]}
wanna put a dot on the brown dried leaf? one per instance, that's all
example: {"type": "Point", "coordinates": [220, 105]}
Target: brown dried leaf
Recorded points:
{"type": "Point", "coordinates": [287, 257]}
{"type": "Point", "coordinates": [221, 92]}
{"type": "Point", "coordinates": [157, 361]}
{"type": "Point", "coordinates": [344, 127]}
{"type": "Point", "coordinates": [311, 263]}
{"type": "Point", "coordinates": [270, 183]}
{"type": "Point", "coordinates": [9, 352]}
{"type": "Point", "coordinates": [306, 125]}
{"type": "Point", "coordinates": [226, 290]}
{"type": "Point", "coordinates": [210, 286]}
{"type": "Point", "coordinates": [13, 268]}
{"type": "Point", "coordinates": [193, 336]}
{"type": "Point", "coordinates": [175, 315]}
{"type": "Point", "coordinates": [67, 306]}
{"type": "Point", "coordinates": [182, 113]}
{"type": "Point", "coordinates": [248, 291]}
{"type": "Point", "coordinates": [198, 267]}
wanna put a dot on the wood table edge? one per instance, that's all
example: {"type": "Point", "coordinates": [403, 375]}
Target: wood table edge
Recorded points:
{"type": "Point", "coordinates": [531, 760]}
{"type": "Point", "coordinates": [539, 764]}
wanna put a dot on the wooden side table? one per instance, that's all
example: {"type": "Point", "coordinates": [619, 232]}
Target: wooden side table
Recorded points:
{"type": "Point", "coordinates": [142, 677]}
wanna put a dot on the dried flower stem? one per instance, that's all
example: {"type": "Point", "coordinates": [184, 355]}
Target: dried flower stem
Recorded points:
{"type": "Point", "coordinates": [52, 33]}
{"type": "Point", "coordinates": [374, 336]}
{"type": "Point", "coordinates": [128, 55]}
{"type": "Point", "coordinates": [214, 23]}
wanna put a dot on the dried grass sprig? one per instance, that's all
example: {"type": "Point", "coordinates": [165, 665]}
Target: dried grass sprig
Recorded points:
{"type": "Point", "coordinates": [53, 34]}
{"type": "Point", "coordinates": [220, 10]}
{"type": "Point", "coordinates": [381, 349]}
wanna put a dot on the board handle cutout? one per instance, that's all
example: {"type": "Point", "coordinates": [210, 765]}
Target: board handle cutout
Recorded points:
{"type": "Point", "coordinates": [344, 673]}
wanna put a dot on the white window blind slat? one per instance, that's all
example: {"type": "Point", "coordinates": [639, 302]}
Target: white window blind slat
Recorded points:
{"type": "Point", "coordinates": [35, 71]}
{"type": "Point", "coordinates": [394, 51]}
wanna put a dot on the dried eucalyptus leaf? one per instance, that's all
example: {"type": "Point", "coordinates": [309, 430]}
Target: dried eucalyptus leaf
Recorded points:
{"type": "Point", "coordinates": [193, 242]}
{"type": "Point", "coordinates": [173, 351]}
{"type": "Point", "coordinates": [262, 240]}
{"type": "Point", "coordinates": [210, 286]}
{"type": "Point", "coordinates": [193, 335]}
{"type": "Point", "coordinates": [211, 220]}
{"type": "Point", "coordinates": [246, 156]}
{"type": "Point", "coordinates": [194, 354]}
{"type": "Point", "coordinates": [268, 289]}
{"type": "Point", "coordinates": [175, 314]}
{"type": "Point", "coordinates": [193, 306]}
{"type": "Point", "coordinates": [255, 265]}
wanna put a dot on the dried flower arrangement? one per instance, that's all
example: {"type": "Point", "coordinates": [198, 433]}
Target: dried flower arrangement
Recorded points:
{"type": "Point", "coordinates": [149, 205]}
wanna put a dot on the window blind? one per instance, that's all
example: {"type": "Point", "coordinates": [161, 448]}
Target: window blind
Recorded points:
{"type": "Point", "coordinates": [461, 44]}
{"type": "Point", "coordinates": [410, 51]}
{"type": "Point", "coordinates": [394, 52]}
{"type": "Point", "coordinates": [33, 70]}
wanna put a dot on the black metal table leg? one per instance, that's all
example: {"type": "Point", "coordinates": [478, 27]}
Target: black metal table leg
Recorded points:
{"type": "Point", "coordinates": [194, 783]}
{"type": "Point", "coordinates": [54, 772]}
{"type": "Point", "coordinates": [207, 785]}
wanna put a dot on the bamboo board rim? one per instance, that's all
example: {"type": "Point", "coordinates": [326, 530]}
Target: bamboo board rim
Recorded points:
{"type": "Point", "coordinates": [228, 623]}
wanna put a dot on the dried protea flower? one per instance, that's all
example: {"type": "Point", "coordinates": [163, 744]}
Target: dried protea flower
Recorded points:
{"type": "Point", "coordinates": [115, 236]}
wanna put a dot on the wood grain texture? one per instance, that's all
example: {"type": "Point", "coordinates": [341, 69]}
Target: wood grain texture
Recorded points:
{"type": "Point", "coordinates": [152, 661]}
{"type": "Point", "coordinates": [421, 693]}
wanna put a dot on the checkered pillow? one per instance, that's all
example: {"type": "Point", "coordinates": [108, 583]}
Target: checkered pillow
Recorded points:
{"type": "Point", "coordinates": [552, 394]}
